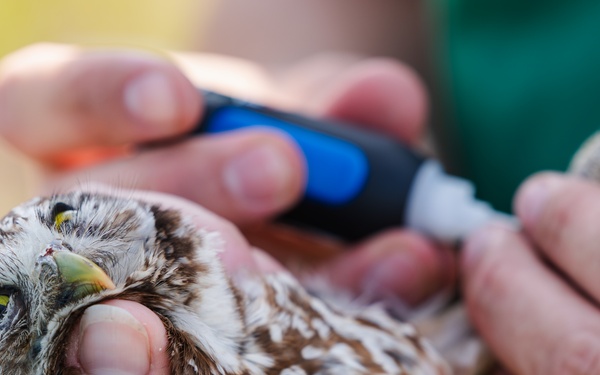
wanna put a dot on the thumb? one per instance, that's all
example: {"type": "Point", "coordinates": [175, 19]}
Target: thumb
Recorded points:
{"type": "Point", "coordinates": [119, 337]}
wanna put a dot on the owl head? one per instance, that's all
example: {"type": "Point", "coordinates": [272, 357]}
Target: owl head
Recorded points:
{"type": "Point", "coordinates": [61, 254]}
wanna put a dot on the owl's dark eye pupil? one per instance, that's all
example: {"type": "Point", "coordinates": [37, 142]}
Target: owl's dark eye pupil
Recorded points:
{"type": "Point", "coordinates": [60, 208]}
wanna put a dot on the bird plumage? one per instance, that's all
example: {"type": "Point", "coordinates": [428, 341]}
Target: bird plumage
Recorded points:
{"type": "Point", "coordinates": [245, 324]}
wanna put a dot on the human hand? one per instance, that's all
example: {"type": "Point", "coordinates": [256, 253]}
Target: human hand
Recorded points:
{"type": "Point", "coordinates": [87, 117]}
{"type": "Point", "coordinates": [89, 109]}
{"type": "Point", "coordinates": [534, 295]}
{"type": "Point", "coordinates": [82, 107]}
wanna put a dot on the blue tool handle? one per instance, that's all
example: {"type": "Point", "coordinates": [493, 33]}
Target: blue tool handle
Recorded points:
{"type": "Point", "coordinates": [358, 181]}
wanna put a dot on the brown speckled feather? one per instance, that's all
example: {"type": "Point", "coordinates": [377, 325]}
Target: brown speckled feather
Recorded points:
{"type": "Point", "coordinates": [251, 324]}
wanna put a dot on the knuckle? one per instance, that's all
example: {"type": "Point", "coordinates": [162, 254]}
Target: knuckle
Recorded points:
{"type": "Point", "coordinates": [578, 354]}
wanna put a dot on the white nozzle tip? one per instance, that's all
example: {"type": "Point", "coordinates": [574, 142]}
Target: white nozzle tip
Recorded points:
{"type": "Point", "coordinates": [443, 207]}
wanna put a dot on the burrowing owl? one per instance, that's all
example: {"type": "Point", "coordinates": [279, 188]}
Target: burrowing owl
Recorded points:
{"type": "Point", "coordinates": [62, 254]}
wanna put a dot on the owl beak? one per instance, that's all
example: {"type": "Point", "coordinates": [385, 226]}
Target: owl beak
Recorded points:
{"type": "Point", "coordinates": [81, 274]}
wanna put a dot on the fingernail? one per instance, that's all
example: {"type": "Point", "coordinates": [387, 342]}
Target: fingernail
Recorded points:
{"type": "Point", "coordinates": [397, 274]}
{"type": "Point", "coordinates": [533, 196]}
{"type": "Point", "coordinates": [112, 341]}
{"type": "Point", "coordinates": [259, 178]}
{"type": "Point", "coordinates": [151, 98]}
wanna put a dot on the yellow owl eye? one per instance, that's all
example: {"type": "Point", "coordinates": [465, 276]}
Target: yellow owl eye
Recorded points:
{"type": "Point", "coordinates": [3, 303]}
{"type": "Point", "coordinates": [61, 212]}
{"type": "Point", "coordinates": [4, 300]}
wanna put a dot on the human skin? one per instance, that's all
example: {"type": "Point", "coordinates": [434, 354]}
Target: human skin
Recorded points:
{"type": "Point", "coordinates": [533, 294]}
{"type": "Point", "coordinates": [529, 289]}
{"type": "Point", "coordinates": [90, 111]}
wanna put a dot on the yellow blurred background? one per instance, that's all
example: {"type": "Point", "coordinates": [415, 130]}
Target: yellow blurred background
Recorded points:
{"type": "Point", "coordinates": [151, 24]}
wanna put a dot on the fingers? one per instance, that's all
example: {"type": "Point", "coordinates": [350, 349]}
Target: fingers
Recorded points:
{"type": "Point", "coordinates": [534, 321]}
{"type": "Point", "coordinates": [377, 92]}
{"type": "Point", "coordinates": [243, 176]}
{"type": "Point", "coordinates": [394, 263]}
{"type": "Point", "coordinates": [393, 266]}
{"type": "Point", "coordinates": [119, 337]}
{"type": "Point", "coordinates": [561, 215]}
{"type": "Point", "coordinates": [383, 94]}
{"type": "Point", "coordinates": [93, 98]}
{"type": "Point", "coordinates": [371, 93]}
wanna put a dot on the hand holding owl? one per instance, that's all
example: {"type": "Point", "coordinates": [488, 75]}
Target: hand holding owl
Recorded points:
{"type": "Point", "coordinates": [88, 118]}
{"type": "Point", "coordinates": [73, 112]}
{"type": "Point", "coordinates": [85, 119]}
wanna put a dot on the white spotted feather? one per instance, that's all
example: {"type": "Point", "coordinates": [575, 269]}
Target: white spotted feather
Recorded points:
{"type": "Point", "coordinates": [248, 324]}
